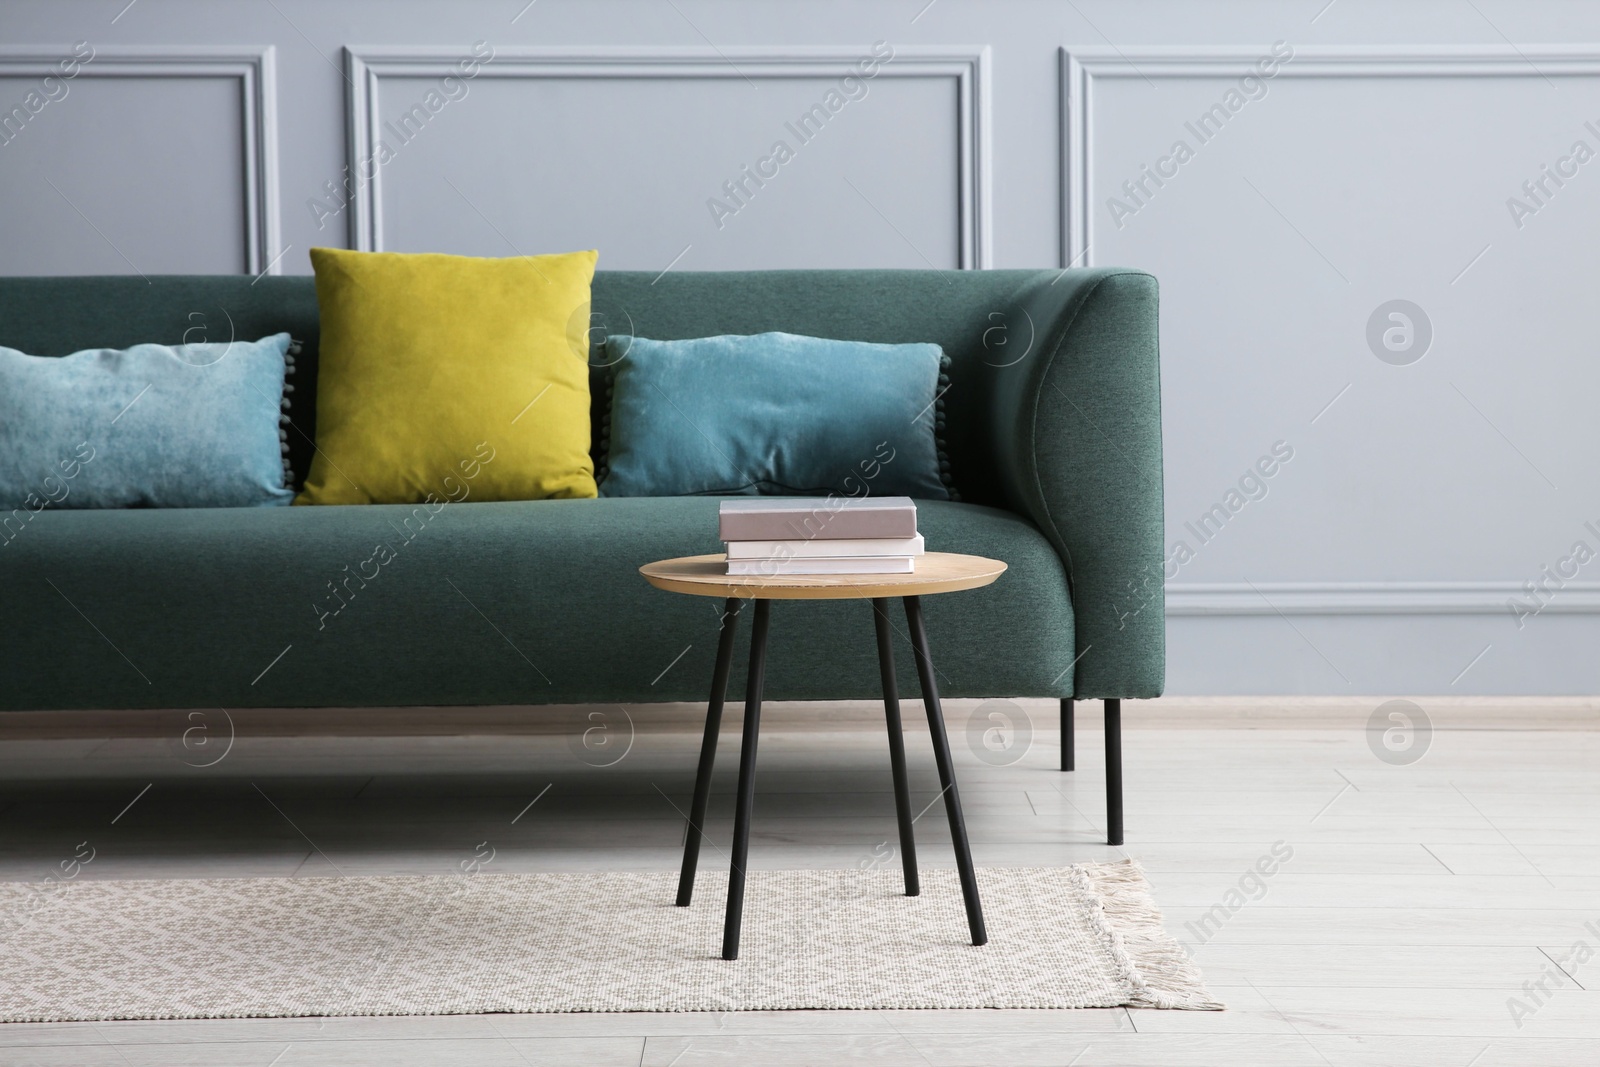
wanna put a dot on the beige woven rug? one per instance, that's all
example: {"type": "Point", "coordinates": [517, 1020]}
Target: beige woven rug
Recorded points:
{"type": "Point", "coordinates": [1075, 937]}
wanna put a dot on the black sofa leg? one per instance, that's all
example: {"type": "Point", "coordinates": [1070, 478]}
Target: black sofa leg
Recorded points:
{"type": "Point", "coordinates": [1069, 753]}
{"type": "Point", "coordinates": [1113, 772]}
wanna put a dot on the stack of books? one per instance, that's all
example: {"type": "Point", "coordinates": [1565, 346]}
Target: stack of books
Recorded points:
{"type": "Point", "coordinates": [815, 535]}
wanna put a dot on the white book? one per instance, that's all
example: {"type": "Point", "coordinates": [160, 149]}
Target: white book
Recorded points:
{"type": "Point", "coordinates": [772, 568]}
{"type": "Point", "coordinates": [852, 546]}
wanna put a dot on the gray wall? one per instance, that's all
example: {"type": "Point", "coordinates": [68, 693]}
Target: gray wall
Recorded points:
{"type": "Point", "coordinates": [1429, 480]}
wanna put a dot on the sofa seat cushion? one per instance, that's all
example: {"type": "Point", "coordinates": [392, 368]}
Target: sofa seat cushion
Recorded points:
{"type": "Point", "coordinates": [525, 602]}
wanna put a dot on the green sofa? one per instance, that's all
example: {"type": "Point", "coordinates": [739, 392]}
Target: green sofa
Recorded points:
{"type": "Point", "coordinates": [1052, 427]}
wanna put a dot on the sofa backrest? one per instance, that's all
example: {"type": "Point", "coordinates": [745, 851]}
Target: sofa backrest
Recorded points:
{"type": "Point", "coordinates": [970, 313]}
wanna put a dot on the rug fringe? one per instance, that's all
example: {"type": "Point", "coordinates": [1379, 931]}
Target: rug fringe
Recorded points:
{"type": "Point", "coordinates": [1156, 967]}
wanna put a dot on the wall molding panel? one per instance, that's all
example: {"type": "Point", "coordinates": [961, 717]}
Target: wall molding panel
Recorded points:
{"type": "Point", "coordinates": [1373, 598]}
{"type": "Point", "coordinates": [1082, 68]}
{"type": "Point", "coordinates": [254, 68]}
{"type": "Point", "coordinates": [969, 67]}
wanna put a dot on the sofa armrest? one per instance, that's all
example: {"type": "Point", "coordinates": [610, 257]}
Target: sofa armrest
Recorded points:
{"type": "Point", "coordinates": [1076, 427]}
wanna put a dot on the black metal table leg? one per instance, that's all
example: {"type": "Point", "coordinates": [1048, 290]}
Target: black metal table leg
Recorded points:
{"type": "Point", "coordinates": [897, 746]}
{"type": "Point", "coordinates": [747, 781]}
{"type": "Point", "coordinates": [708, 751]}
{"type": "Point", "coordinates": [1069, 751]}
{"type": "Point", "coordinates": [1113, 772]}
{"type": "Point", "coordinates": [947, 773]}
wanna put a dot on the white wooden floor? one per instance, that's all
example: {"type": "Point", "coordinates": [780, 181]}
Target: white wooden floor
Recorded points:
{"type": "Point", "coordinates": [1418, 901]}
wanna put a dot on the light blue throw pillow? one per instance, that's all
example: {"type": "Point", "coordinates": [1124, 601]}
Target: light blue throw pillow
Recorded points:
{"type": "Point", "coordinates": [168, 426]}
{"type": "Point", "coordinates": [772, 413]}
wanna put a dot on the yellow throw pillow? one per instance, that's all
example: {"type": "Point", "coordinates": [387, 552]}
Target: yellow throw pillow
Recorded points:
{"type": "Point", "coordinates": [431, 363]}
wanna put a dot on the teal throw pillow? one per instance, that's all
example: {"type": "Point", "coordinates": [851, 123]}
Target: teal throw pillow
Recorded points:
{"type": "Point", "coordinates": [170, 426]}
{"type": "Point", "coordinates": [773, 413]}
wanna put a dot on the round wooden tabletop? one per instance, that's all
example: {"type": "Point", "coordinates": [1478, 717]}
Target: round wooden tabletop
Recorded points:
{"type": "Point", "coordinates": [937, 572]}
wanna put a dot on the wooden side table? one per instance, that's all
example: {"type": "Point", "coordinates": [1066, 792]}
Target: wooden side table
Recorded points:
{"type": "Point", "coordinates": [937, 572]}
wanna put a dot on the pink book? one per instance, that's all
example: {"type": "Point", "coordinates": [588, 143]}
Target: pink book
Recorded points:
{"type": "Point", "coordinates": [815, 518]}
